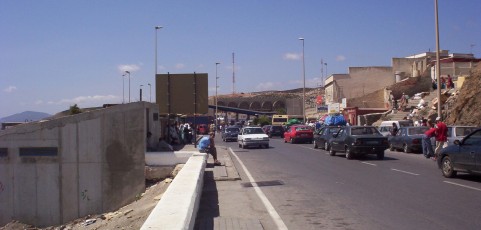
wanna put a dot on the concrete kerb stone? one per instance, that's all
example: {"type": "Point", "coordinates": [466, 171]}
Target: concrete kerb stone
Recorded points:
{"type": "Point", "coordinates": [179, 205]}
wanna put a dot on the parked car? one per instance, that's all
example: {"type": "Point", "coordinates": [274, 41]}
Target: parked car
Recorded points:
{"type": "Point", "coordinates": [463, 156]}
{"type": "Point", "coordinates": [230, 133]}
{"type": "Point", "coordinates": [322, 136]}
{"type": "Point", "coordinates": [252, 136]}
{"type": "Point", "coordinates": [458, 133]}
{"type": "Point", "coordinates": [275, 130]}
{"type": "Point", "coordinates": [408, 139]}
{"type": "Point", "coordinates": [357, 141]}
{"type": "Point", "coordinates": [298, 133]}
{"type": "Point", "coordinates": [386, 126]}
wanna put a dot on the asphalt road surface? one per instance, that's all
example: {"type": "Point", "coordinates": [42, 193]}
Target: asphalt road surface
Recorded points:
{"type": "Point", "coordinates": [309, 189]}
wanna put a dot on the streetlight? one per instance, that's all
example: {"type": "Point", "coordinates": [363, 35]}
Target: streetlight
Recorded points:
{"type": "Point", "coordinates": [216, 118]}
{"type": "Point", "coordinates": [156, 28]}
{"type": "Point", "coordinates": [141, 92]}
{"type": "Point", "coordinates": [123, 88]}
{"type": "Point", "coordinates": [304, 83]}
{"type": "Point", "coordinates": [438, 65]}
{"type": "Point", "coordinates": [150, 92]}
{"type": "Point", "coordinates": [128, 72]}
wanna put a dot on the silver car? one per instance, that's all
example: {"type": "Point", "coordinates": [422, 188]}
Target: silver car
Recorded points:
{"type": "Point", "coordinates": [458, 133]}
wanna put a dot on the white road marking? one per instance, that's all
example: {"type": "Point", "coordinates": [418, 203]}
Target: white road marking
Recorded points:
{"type": "Point", "coordinates": [368, 163]}
{"type": "Point", "coordinates": [272, 212]}
{"type": "Point", "coordinates": [465, 186]}
{"type": "Point", "coordinates": [410, 173]}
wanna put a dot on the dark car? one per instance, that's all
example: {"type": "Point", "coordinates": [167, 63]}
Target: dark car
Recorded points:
{"type": "Point", "coordinates": [463, 156]}
{"type": "Point", "coordinates": [322, 136]}
{"type": "Point", "coordinates": [357, 141]}
{"type": "Point", "coordinates": [230, 133]}
{"type": "Point", "coordinates": [408, 139]}
{"type": "Point", "coordinates": [275, 130]}
{"type": "Point", "coordinates": [298, 133]}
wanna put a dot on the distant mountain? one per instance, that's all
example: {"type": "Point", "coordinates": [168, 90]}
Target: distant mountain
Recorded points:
{"type": "Point", "coordinates": [25, 116]}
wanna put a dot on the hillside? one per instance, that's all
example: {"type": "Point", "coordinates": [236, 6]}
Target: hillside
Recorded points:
{"type": "Point", "coordinates": [25, 116]}
{"type": "Point", "coordinates": [465, 108]}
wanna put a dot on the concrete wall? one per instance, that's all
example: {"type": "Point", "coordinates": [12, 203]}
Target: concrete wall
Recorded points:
{"type": "Point", "coordinates": [98, 166]}
{"type": "Point", "coordinates": [365, 80]}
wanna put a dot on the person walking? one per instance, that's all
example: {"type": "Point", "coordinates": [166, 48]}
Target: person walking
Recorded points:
{"type": "Point", "coordinates": [207, 145]}
{"type": "Point", "coordinates": [394, 129]}
{"type": "Point", "coordinates": [428, 151]}
{"type": "Point", "coordinates": [441, 136]}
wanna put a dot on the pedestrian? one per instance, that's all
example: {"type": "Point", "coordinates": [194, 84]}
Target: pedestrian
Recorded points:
{"type": "Point", "coordinates": [207, 145]}
{"type": "Point", "coordinates": [428, 151]}
{"type": "Point", "coordinates": [434, 84]}
{"type": "Point", "coordinates": [394, 129]}
{"type": "Point", "coordinates": [441, 136]}
{"type": "Point", "coordinates": [404, 101]}
{"type": "Point", "coordinates": [450, 82]}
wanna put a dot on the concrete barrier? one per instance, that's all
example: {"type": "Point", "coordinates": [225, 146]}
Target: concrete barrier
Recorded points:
{"type": "Point", "coordinates": [178, 207]}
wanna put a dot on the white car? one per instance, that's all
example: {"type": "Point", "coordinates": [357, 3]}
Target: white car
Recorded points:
{"type": "Point", "coordinates": [252, 136]}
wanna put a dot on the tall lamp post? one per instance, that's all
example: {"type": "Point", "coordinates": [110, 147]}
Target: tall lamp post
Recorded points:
{"type": "Point", "coordinates": [123, 88]}
{"type": "Point", "coordinates": [141, 92]}
{"type": "Point", "coordinates": [216, 78]}
{"type": "Point", "coordinates": [438, 65]}
{"type": "Point", "coordinates": [128, 72]}
{"type": "Point", "coordinates": [304, 83]}
{"type": "Point", "coordinates": [156, 28]}
{"type": "Point", "coordinates": [150, 92]}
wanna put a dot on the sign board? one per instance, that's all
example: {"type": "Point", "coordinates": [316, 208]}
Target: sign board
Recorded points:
{"type": "Point", "coordinates": [178, 93]}
{"type": "Point", "coordinates": [344, 103]}
{"type": "Point", "coordinates": [334, 108]}
{"type": "Point", "coordinates": [322, 109]}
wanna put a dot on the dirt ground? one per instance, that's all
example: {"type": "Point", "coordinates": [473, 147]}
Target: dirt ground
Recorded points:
{"type": "Point", "coordinates": [131, 216]}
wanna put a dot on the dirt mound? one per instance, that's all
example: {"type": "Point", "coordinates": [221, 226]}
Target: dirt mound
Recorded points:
{"type": "Point", "coordinates": [464, 108]}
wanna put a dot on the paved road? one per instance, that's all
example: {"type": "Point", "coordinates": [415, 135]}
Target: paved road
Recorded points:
{"type": "Point", "coordinates": [311, 190]}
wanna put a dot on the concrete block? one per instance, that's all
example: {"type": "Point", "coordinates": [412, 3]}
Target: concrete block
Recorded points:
{"type": "Point", "coordinates": [69, 192]}
{"type": "Point", "coordinates": [48, 193]}
{"type": "Point", "coordinates": [90, 188]}
{"type": "Point", "coordinates": [25, 195]}
{"type": "Point", "coordinates": [89, 141]}
{"type": "Point", "coordinates": [167, 158]}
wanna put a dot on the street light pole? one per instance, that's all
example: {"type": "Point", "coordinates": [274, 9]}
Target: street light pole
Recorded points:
{"type": "Point", "coordinates": [216, 118]}
{"type": "Point", "coordinates": [304, 83]}
{"type": "Point", "coordinates": [128, 72]}
{"type": "Point", "coordinates": [141, 92]}
{"type": "Point", "coordinates": [150, 93]}
{"type": "Point", "coordinates": [156, 28]}
{"type": "Point", "coordinates": [438, 65]}
{"type": "Point", "coordinates": [123, 88]}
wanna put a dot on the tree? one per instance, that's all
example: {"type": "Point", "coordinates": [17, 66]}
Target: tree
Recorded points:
{"type": "Point", "coordinates": [263, 120]}
{"type": "Point", "coordinates": [281, 111]}
{"type": "Point", "coordinates": [74, 109]}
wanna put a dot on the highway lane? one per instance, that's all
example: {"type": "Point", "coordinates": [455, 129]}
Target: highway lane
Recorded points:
{"type": "Point", "coordinates": [404, 191]}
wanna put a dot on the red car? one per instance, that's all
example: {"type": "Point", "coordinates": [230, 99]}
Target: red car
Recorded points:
{"type": "Point", "coordinates": [298, 133]}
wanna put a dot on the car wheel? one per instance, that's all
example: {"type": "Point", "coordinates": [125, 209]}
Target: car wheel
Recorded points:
{"type": "Point", "coordinates": [349, 154]}
{"type": "Point", "coordinates": [391, 147]}
{"type": "Point", "coordinates": [240, 146]}
{"type": "Point", "coordinates": [267, 146]}
{"type": "Point", "coordinates": [285, 140]}
{"type": "Point", "coordinates": [326, 146]}
{"type": "Point", "coordinates": [315, 145]}
{"type": "Point", "coordinates": [447, 168]}
{"type": "Point", "coordinates": [292, 140]}
{"type": "Point", "coordinates": [332, 152]}
{"type": "Point", "coordinates": [380, 155]}
{"type": "Point", "coordinates": [243, 146]}
{"type": "Point", "coordinates": [406, 148]}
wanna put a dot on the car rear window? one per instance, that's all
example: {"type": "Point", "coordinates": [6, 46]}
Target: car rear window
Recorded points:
{"type": "Point", "coordinates": [277, 128]}
{"type": "Point", "coordinates": [417, 130]}
{"type": "Point", "coordinates": [464, 131]}
{"type": "Point", "coordinates": [231, 130]}
{"type": "Point", "coordinates": [365, 131]}
{"type": "Point", "coordinates": [302, 128]}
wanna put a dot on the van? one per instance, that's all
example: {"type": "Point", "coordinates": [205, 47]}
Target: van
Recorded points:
{"type": "Point", "coordinates": [386, 126]}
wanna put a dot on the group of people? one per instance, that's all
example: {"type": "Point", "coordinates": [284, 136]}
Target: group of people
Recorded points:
{"type": "Point", "coordinates": [446, 83]}
{"type": "Point", "coordinates": [440, 132]}
{"type": "Point", "coordinates": [399, 104]}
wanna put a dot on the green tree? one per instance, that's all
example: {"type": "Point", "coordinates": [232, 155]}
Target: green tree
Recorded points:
{"type": "Point", "coordinates": [281, 111]}
{"type": "Point", "coordinates": [264, 120]}
{"type": "Point", "coordinates": [74, 109]}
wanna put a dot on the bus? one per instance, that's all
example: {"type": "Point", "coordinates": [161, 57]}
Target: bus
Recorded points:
{"type": "Point", "coordinates": [279, 119]}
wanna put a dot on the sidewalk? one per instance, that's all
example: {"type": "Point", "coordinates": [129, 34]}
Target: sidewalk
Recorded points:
{"type": "Point", "coordinates": [225, 204]}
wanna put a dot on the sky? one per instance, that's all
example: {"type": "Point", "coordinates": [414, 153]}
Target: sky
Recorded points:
{"type": "Point", "coordinates": [54, 54]}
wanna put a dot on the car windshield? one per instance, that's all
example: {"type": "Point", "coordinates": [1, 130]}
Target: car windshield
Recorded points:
{"type": "Point", "coordinates": [474, 139]}
{"type": "Point", "coordinates": [253, 131]}
{"type": "Point", "coordinates": [302, 128]}
{"type": "Point", "coordinates": [417, 130]}
{"type": "Point", "coordinates": [365, 131]}
{"type": "Point", "coordinates": [333, 130]}
{"type": "Point", "coordinates": [232, 130]}
{"type": "Point", "coordinates": [464, 131]}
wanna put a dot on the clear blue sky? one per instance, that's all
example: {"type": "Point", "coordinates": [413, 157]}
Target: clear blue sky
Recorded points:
{"type": "Point", "coordinates": [54, 54]}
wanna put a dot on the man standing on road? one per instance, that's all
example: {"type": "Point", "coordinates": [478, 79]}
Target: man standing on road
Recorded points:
{"type": "Point", "coordinates": [426, 141]}
{"type": "Point", "coordinates": [441, 135]}
{"type": "Point", "coordinates": [207, 145]}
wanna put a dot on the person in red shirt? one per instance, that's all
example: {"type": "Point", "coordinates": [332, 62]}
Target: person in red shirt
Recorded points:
{"type": "Point", "coordinates": [441, 135]}
{"type": "Point", "coordinates": [426, 141]}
